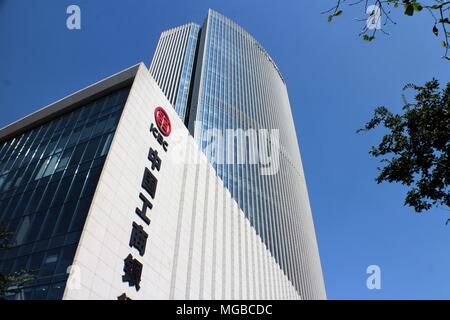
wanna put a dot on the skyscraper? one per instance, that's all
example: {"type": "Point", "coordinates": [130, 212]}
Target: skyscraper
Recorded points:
{"type": "Point", "coordinates": [239, 113]}
{"type": "Point", "coordinates": [176, 48]}
{"type": "Point", "coordinates": [108, 196]}
{"type": "Point", "coordinates": [182, 181]}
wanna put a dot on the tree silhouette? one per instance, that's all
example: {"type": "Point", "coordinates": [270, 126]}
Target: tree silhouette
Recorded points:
{"type": "Point", "coordinates": [377, 16]}
{"type": "Point", "coordinates": [416, 150]}
{"type": "Point", "coordinates": [14, 282]}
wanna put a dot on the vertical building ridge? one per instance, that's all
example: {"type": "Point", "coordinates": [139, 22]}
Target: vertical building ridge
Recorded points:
{"type": "Point", "coordinates": [173, 64]}
{"type": "Point", "coordinates": [236, 87]}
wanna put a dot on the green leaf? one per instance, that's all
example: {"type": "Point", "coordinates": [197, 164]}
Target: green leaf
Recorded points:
{"type": "Point", "coordinates": [435, 30]}
{"type": "Point", "coordinates": [409, 9]}
{"type": "Point", "coordinates": [444, 44]}
{"type": "Point", "coordinates": [414, 151]}
{"type": "Point", "coordinates": [417, 6]}
{"type": "Point", "coordinates": [338, 13]}
{"type": "Point", "coordinates": [330, 18]}
{"type": "Point", "coordinates": [368, 38]}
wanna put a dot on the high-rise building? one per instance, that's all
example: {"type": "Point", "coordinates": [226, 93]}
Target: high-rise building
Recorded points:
{"type": "Point", "coordinates": [176, 48]}
{"type": "Point", "coordinates": [108, 196]}
{"type": "Point", "coordinates": [239, 113]}
{"type": "Point", "coordinates": [120, 191]}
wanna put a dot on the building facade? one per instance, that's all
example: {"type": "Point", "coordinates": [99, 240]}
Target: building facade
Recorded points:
{"type": "Point", "coordinates": [181, 181]}
{"type": "Point", "coordinates": [48, 175]}
{"type": "Point", "coordinates": [239, 113]}
{"type": "Point", "coordinates": [176, 48]}
{"type": "Point", "coordinates": [133, 209]}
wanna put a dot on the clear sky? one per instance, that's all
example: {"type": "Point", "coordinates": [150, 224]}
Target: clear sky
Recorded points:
{"type": "Point", "coordinates": [335, 80]}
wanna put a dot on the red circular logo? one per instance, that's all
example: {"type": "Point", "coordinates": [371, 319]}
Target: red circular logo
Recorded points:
{"type": "Point", "coordinates": [163, 121]}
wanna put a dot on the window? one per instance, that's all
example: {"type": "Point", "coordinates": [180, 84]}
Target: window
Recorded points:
{"type": "Point", "coordinates": [51, 167]}
{"type": "Point", "coordinates": [2, 181]}
{"type": "Point", "coordinates": [65, 217]}
{"type": "Point", "coordinates": [87, 130]}
{"type": "Point", "coordinates": [91, 150]}
{"type": "Point", "coordinates": [106, 144]}
{"type": "Point", "coordinates": [23, 230]}
{"type": "Point", "coordinates": [62, 164]}
{"type": "Point", "coordinates": [77, 154]}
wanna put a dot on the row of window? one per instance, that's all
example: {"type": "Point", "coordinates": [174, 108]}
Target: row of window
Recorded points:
{"type": "Point", "coordinates": [56, 163]}
{"type": "Point", "coordinates": [231, 98]}
{"type": "Point", "coordinates": [97, 109]}
{"type": "Point", "coordinates": [56, 145]}
{"type": "Point", "coordinates": [185, 80]}
{"type": "Point", "coordinates": [47, 179]}
{"type": "Point", "coordinates": [50, 210]}
{"type": "Point", "coordinates": [45, 292]}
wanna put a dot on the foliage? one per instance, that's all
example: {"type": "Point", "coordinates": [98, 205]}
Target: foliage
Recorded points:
{"type": "Point", "coordinates": [381, 11]}
{"type": "Point", "coordinates": [14, 282]}
{"type": "Point", "coordinates": [416, 150]}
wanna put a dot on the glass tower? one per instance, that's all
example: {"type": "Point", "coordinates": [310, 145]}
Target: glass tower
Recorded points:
{"type": "Point", "coordinates": [176, 48]}
{"type": "Point", "coordinates": [48, 176]}
{"type": "Point", "coordinates": [238, 100]}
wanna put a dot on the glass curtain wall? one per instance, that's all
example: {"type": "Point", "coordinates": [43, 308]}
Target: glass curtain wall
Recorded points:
{"type": "Point", "coordinates": [48, 176]}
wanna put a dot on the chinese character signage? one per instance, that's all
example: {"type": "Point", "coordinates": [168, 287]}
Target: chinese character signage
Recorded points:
{"type": "Point", "coordinates": [133, 268]}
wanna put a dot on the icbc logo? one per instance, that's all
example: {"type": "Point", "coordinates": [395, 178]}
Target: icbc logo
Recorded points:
{"type": "Point", "coordinates": [163, 124]}
{"type": "Point", "coordinates": [162, 121]}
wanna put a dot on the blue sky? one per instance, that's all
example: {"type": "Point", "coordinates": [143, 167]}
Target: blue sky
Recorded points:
{"type": "Point", "coordinates": [335, 80]}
